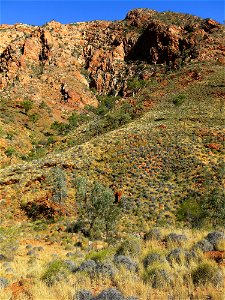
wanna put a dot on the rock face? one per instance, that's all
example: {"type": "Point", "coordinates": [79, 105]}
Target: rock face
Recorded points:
{"type": "Point", "coordinates": [40, 63]}
{"type": "Point", "coordinates": [96, 54]}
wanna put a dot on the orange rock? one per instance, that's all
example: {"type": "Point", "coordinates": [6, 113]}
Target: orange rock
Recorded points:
{"type": "Point", "coordinates": [218, 256]}
{"type": "Point", "coordinates": [214, 146]}
{"type": "Point", "coordinates": [118, 53]}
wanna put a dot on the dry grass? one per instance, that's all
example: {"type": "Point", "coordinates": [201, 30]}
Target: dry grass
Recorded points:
{"type": "Point", "coordinates": [26, 283]}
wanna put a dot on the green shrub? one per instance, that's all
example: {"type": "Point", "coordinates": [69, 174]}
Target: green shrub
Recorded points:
{"type": "Point", "coordinates": [130, 247]}
{"type": "Point", "coordinates": [106, 103]}
{"type": "Point", "coordinates": [136, 84]}
{"type": "Point", "coordinates": [74, 120]}
{"type": "Point", "coordinates": [39, 225]}
{"type": "Point", "coordinates": [99, 256]}
{"type": "Point", "coordinates": [34, 117]}
{"type": "Point", "coordinates": [77, 119]}
{"type": "Point", "coordinates": [207, 273]}
{"type": "Point", "coordinates": [115, 119]}
{"type": "Point", "coordinates": [191, 211]}
{"type": "Point", "coordinates": [43, 105]}
{"type": "Point", "coordinates": [179, 100]}
{"type": "Point", "coordinates": [60, 128]}
{"type": "Point", "coordinates": [158, 276]}
{"type": "Point", "coordinates": [9, 135]}
{"type": "Point", "coordinates": [51, 140]}
{"type": "Point", "coordinates": [27, 105]}
{"type": "Point", "coordinates": [55, 271]}
{"type": "Point", "coordinates": [10, 151]}
{"type": "Point", "coordinates": [35, 153]}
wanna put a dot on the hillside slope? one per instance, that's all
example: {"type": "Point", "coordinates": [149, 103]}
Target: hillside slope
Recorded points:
{"type": "Point", "coordinates": [158, 160]}
{"type": "Point", "coordinates": [140, 100]}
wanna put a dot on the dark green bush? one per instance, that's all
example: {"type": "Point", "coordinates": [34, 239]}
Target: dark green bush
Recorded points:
{"type": "Point", "coordinates": [179, 100]}
{"type": "Point", "coordinates": [106, 103]}
{"type": "Point", "coordinates": [136, 84]}
{"type": "Point", "coordinates": [60, 128]}
{"type": "Point", "coordinates": [27, 105]}
{"type": "Point", "coordinates": [99, 256]}
{"type": "Point", "coordinates": [206, 273]}
{"type": "Point", "coordinates": [34, 117]}
{"type": "Point", "coordinates": [191, 211]}
{"type": "Point", "coordinates": [10, 151]}
{"type": "Point", "coordinates": [77, 119]}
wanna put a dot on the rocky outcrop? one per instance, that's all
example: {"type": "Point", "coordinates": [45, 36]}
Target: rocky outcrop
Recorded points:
{"type": "Point", "coordinates": [208, 25]}
{"type": "Point", "coordinates": [139, 17]}
{"type": "Point", "coordinates": [39, 63]}
{"type": "Point", "coordinates": [145, 37]}
{"type": "Point", "coordinates": [162, 44]}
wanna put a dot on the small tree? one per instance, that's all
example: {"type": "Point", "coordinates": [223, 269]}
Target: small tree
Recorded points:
{"type": "Point", "coordinates": [136, 84]}
{"type": "Point", "coordinates": [59, 188]}
{"type": "Point", "coordinates": [105, 211]}
{"type": "Point", "coordinates": [96, 208]}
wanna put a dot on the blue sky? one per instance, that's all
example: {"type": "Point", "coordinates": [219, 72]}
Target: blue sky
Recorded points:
{"type": "Point", "coordinates": [68, 11]}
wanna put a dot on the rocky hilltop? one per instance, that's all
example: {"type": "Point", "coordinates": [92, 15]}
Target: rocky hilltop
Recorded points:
{"type": "Point", "coordinates": [99, 54]}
